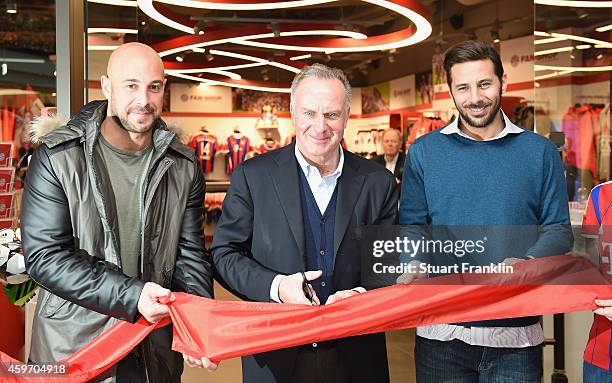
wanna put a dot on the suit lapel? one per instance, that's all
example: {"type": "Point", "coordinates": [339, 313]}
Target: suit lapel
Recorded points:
{"type": "Point", "coordinates": [286, 183]}
{"type": "Point", "coordinates": [349, 188]}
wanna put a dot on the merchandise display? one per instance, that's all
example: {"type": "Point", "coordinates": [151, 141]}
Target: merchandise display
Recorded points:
{"type": "Point", "coordinates": [205, 146]}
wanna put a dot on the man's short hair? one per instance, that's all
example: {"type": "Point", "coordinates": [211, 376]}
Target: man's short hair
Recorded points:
{"type": "Point", "coordinates": [472, 50]}
{"type": "Point", "coordinates": [323, 72]}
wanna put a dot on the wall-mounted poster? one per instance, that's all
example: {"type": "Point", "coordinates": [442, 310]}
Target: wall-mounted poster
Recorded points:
{"type": "Point", "coordinates": [375, 98]}
{"type": "Point", "coordinates": [246, 100]}
{"type": "Point", "coordinates": [424, 88]}
{"type": "Point", "coordinates": [402, 93]}
{"type": "Point", "coordinates": [438, 73]}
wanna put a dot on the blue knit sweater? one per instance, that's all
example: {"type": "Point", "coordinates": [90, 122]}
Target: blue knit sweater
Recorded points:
{"type": "Point", "coordinates": [512, 187]}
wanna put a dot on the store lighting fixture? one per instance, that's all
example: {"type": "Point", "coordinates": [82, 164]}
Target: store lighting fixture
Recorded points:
{"type": "Point", "coordinates": [232, 75]}
{"type": "Point", "coordinates": [302, 57]}
{"type": "Point", "coordinates": [572, 68]}
{"type": "Point", "coordinates": [221, 68]}
{"type": "Point", "coordinates": [603, 44]}
{"type": "Point", "coordinates": [180, 58]}
{"type": "Point", "coordinates": [198, 29]}
{"type": "Point", "coordinates": [275, 29]}
{"type": "Point", "coordinates": [495, 37]}
{"type": "Point", "coordinates": [112, 30]}
{"type": "Point", "coordinates": [255, 59]}
{"type": "Point", "coordinates": [605, 28]}
{"type": "Point", "coordinates": [209, 56]}
{"type": "Point", "coordinates": [240, 40]}
{"type": "Point", "coordinates": [265, 77]}
{"type": "Point", "coordinates": [541, 34]}
{"type": "Point", "coordinates": [326, 57]}
{"type": "Point", "coordinates": [575, 4]}
{"type": "Point", "coordinates": [4, 68]}
{"type": "Point", "coordinates": [247, 6]}
{"type": "Point", "coordinates": [121, 3]}
{"type": "Point", "coordinates": [233, 85]}
{"type": "Point", "coordinates": [102, 47]}
{"type": "Point", "coordinates": [554, 74]}
{"type": "Point", "coordinates": [549, 40]}
{"type": "Point", "coordinates": [582, 14]}
{"type": "Point", "coordinates": [420, 30]}
{"type": "Point", "coordinates": [11, 7]}
{"type": "Point", "coordinates": [53, 94]}
{"type": "Point", "coordinates": [583, 46]}
{"type": "Point", "coordinates": [572, 56]}
{"type": "Point", "coordinates": [599, 56]}
{"type": "Point", "coordinates": [554, 50]}
{"type": "Point", "coordinates": [21, 60]}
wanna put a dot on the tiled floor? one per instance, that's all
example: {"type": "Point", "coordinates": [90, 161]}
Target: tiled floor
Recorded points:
{"type": "Point", "coordinates": [400, 349]}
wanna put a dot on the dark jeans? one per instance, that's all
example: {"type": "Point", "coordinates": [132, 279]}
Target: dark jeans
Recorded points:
{"type": "Point", "coordinates": [131, 369]}
{"type": "Point", "coordinates": [458, 362]}
{"type": "Point", "coordinates": [594, 374]}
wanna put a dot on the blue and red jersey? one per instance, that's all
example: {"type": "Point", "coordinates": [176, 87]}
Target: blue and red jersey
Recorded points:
{"type": "Point", "coordinates": [238, 147]}
{"type": "Point", "coordinates": [205, 146]}
{"type": "Point", "coordinates": [597, 224]}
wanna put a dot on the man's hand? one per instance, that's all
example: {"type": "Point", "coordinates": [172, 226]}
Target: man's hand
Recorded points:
{"type": "Point", "coordinates": [340, 295]}
{"type": "Point", "coordinates": [605, 308]}
{"type": "Point", "coordinates": [407, 278]}
{"type": "Point", "coordinates": [512, 261]}
{"type": "Point", "coordinates": [148, 303]}
{"type": "Point", "coordinates": [200, 363]}
{"type": "Point", "coordinates": [290, 288]}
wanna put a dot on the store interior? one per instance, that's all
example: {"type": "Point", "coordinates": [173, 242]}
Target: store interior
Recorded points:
{"type": "Point", "coordinates": [229, 72]}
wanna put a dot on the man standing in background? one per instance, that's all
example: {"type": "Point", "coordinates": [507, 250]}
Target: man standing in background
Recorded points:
{"type": "Point", "coordinates": [393, 158]}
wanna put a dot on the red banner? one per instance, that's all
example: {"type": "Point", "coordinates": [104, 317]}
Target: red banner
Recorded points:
{"type": "Point", "coordinates": [226, 329]}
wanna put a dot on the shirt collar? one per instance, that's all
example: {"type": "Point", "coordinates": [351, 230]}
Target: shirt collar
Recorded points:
{"type": "Point", "coordinates": [509, 127]}
{"type": "Point", "coordinates": [307, 168]}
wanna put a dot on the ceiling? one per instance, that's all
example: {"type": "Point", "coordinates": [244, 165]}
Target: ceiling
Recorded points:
{"type": "Point", "coordinates": [31, 32]}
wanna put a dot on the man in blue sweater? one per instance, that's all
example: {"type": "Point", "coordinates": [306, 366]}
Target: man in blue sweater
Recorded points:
{"type": "Point", "coordinates": [483, 170]}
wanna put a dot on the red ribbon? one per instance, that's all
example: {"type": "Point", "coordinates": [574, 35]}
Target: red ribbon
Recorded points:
{"type": "Point", "coordinates": [226, 329]}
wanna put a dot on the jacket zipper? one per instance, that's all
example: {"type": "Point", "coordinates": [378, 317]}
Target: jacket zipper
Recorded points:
{"type": "Point", "coordinates": [149, 197]}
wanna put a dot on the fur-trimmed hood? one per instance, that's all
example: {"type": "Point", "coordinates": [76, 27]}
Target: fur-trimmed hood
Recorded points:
{"type": "Point", "coordinates": [40, 128]}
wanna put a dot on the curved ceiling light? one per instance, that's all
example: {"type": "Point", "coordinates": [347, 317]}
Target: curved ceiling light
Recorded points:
{"type": "Point", "coordinates": [583, 39]}
{"type": "Point", "coordinates": [121, 3]}
{"type": "Point", "coordinates": [247, 6]}
{"type": "Point", "coordinates": [573, 68]}
{"type": "Point", "coordinates": [221, 72]}
{"type": "Point", "coordinates": [402, 38]}
{"type": "Point", "coordinates": [565, 36]}
{"type": "Point", "coordinates": [554, 74]}
{"type": "Point", "coordinates": [233, 84]}
{"type": "Point", "coordinates": [112, 30]}
{"type": "Point", "coordinates": [554, 50]}
{"type": "Point", "coordinates": [576, 4]}
{"type": "Point", "coordinates": [208, 41]}
{"type": "Point", "coordinates": [255, 59]}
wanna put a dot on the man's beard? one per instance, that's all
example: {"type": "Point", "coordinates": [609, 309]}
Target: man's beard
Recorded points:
{"type": "Point", "coordinates": [487, 120]}
{"type": "Point", "coordinates": [126, 124]}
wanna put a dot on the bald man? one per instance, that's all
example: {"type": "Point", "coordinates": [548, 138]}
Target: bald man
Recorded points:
{"type": "Point", "coordinates": [111, 216]}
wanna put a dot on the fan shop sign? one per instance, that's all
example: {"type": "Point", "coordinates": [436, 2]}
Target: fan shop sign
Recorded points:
{"type": "Point", "coordinates": [200, 99]}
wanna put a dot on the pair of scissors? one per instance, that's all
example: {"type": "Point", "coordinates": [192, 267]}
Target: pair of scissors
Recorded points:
{"type": "Point", "coordinates": [307, 289]}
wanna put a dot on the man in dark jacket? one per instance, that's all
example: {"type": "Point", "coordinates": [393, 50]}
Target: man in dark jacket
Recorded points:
{"type": "Point", "coordinates": [393, 158]}
{"type": "Point", "coordinates": [111, 217]}
{"type": "Point", "coordinates": [290, 232]}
